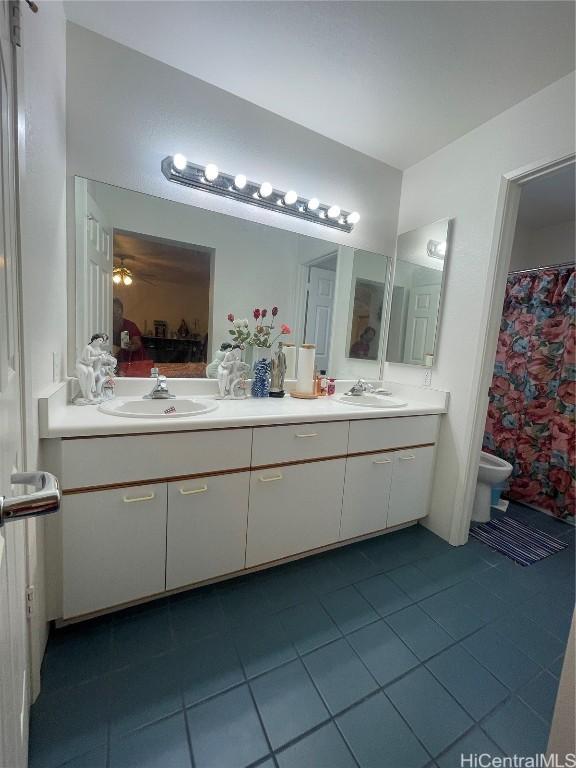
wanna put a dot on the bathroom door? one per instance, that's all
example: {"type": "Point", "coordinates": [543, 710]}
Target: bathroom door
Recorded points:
{"type": "Point", "coordinates": [319, 313]}
{"type": "Point", "coordinates": [421, 323]}
{"type": "Point", "coordinates": [14, 641]}
{"type": "Point", "coordinates": [94, 263]}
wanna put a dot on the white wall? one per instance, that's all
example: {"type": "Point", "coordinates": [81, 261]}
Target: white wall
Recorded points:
{"type": "Point", "coordinates": [543, 246]}
{"type": "Point", "coordinates": [127, 111]}
{"type": "Point", "coordinates": [43, 241]}
{"type": "Point", "coordinates": [463, 181]}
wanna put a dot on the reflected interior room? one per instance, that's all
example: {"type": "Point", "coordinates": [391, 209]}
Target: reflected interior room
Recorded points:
{"type": "Point", "coordinates": [287, 384]}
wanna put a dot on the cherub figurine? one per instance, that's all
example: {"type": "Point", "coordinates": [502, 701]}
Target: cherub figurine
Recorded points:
{"type": "Point", "coordinates": [232, 375]}
{"type": "Point", "coordinates": [88, 369]}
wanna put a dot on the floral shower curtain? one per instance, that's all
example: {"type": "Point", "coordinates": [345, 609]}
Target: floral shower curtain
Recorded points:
{"type": "Point", "coordinates": [531, 415]}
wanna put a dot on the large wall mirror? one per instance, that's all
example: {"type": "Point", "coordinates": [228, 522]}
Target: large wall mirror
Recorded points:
{"type": "Point", "coordinates": [421, 258]}
{"type": "Point", "coordinates": [160, 278]}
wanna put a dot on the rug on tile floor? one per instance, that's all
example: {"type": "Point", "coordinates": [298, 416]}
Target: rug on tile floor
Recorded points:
{"type": "Point", "coordinates": [517, 541]}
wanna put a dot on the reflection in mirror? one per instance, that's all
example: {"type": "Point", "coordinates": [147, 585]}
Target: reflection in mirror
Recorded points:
{"type": "Point", "coordinates": [161, 278]}
{"type": "Point", "coordinates": [421, 259]}
{"type": "Point", "coordinates": [368, 294]}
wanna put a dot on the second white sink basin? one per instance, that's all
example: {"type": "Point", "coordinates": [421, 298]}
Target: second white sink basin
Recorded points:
{"type": "Point", "coordinates": [368, 400]}
{"type": "Point", "coordinates": [176, 408]}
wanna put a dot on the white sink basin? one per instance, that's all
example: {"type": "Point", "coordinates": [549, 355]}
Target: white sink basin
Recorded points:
{"type": "Point", "coordinates": [176, 408]}
{"type": "Point", "coordinates": [368, 400]}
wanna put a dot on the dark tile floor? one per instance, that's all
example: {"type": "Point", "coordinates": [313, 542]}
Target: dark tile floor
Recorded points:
{"type": "Point", "coordinates": [399, 652]}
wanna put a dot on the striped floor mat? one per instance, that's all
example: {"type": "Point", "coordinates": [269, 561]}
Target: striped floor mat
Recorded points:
{"type": "Point", "coordinates": [517, 541]}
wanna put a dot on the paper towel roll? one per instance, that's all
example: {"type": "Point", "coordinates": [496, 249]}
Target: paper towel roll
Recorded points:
{"type": "Point", "coordinates": [290, 354]}
{"type": "Point", "coordinates": [305, 381]}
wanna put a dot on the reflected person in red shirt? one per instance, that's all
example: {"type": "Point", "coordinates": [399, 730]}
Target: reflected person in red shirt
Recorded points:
{"type": "Point", "coordinates": [134, 350]}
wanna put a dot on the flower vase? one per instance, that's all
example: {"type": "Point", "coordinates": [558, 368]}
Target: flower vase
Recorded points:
{"type": "Point", "coordinates": [261, 369]}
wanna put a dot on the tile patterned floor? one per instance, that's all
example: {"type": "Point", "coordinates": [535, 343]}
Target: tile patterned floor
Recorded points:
{"type": "Point", "coordinates": [399, 652]}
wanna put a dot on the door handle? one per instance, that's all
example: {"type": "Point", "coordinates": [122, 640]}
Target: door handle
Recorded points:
{"type": "Point", "coordinates": [382, 461]}
{"type": "Point", "coordinates": [43, 501]}
{"type": "Point", "coordinates": [309, 434]}
{"type": "Point", "coordinates": [407, 458]}
{"type": "Point", "coordinates": [272, 479]}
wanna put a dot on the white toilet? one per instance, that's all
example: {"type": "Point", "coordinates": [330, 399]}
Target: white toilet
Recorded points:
{"type": "Point", "coordinates": [492, 471]}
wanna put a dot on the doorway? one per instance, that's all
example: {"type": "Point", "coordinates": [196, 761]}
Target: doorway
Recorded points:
{"type": "Point", "coordinates": [512, 186]}
{"type": "Point", "coordinates": [320, 277]}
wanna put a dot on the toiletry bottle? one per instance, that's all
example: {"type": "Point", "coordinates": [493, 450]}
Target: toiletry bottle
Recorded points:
{"type": "Point", "coordinates": [125, 340]}
{"type": "Point", "coordinates": [331, 386]}
{"type": "Point", "coordinates": [323, 383]}
{"type": "Point", "coordinates": [317, 391]}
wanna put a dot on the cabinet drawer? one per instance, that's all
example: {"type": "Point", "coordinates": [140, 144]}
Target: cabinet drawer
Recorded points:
{"type": "Point", "coordinates": [108, 460]}
{"type": "Point", "coordinates": [366, 494]}
{"type": "Point", "coordinates": [206, 534]}
{"type": "Point", "coordinates": [114, 547]}
{"type": "Point", "coordinates": [293, 509]}
{"type": "Point", "coordinates": [272, 445]}
{"type": "Point", "coordinates": [383, 434]}
{"type": "Point", "coordinates": [411, 485]}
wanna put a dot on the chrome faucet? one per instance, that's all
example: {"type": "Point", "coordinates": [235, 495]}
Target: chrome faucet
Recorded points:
{"type": "Point", "coordinates": [361, 387]}
{"type": "Point", "coordinates": [160, 390]}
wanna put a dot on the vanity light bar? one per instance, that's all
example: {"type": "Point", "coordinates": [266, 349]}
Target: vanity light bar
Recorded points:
{"type": "Point", "coordinates": [210, 179]}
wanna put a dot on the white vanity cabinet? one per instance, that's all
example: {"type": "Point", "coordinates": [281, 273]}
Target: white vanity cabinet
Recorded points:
{"type": "Point", "coordinates": [146, 514]}
{"type": "Point", "coordinates": [293, 509]}
{"type": "Point", "coordinates": [114, 547]}
{"type": "Point", "coordinates": [206, 532]}
{"type": "Point", "coordinates": [411, 484]}
{"type": "Point", "coordinates": [366, 494]}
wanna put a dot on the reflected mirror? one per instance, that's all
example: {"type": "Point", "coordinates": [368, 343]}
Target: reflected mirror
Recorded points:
{"type": "Point", "coordinates": [161, 278]}
{"type": "Point", "coordinates": [421, 259]}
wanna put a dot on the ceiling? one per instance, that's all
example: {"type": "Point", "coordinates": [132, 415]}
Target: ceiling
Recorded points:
{"type": "Point", "coordinates": [155, 260]}
{"type": "Point", "coordinates": [394, 80]}
{"type": "Point", "coordinates": [548, 200]}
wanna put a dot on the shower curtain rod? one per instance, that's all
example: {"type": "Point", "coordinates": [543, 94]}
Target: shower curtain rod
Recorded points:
{"type": "Point", "coordinates": [540, 269]}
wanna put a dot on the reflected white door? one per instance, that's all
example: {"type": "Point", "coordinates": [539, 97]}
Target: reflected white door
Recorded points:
{"type": "Point", "coordinates": [319, 313]}
{"type": "Point", "coordinates": [421, 323]}
{"type": "Point", "coordinates": [94, 263]}
{"type": "Point", "coordinates": [14, 665]}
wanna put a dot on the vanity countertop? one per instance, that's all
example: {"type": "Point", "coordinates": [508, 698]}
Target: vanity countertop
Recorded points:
{"type": "Point", "coordinates": [59, 419]}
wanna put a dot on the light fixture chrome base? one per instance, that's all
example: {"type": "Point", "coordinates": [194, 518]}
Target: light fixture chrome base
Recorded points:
{"type": "Point", "coordinates": [193, 176]}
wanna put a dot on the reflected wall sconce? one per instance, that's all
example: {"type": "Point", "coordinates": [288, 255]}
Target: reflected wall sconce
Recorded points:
{"type": "Point", "coordinates": [436, 249]}
{"type": "Point", "coordinates": [209, 178]}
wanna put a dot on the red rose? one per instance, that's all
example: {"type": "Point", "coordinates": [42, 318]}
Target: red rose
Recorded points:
{"type": "Point", "coordinates": [231, 317]}
{"type": "Point", "coordinates": [524, 488]}
{"type": "Point", "coordinates": [256, 314]}
{"type": "Point", "coordinates": [286, 329]}
{"type": "Point", "coordinates": [516, 364]}
{"type": "Point", "coordinates": [567, 392]}
{"type": "Point", "coordinates": [560, 479]}
{"type": "Point", "coordinates": [274, 311]}
{"type": "Point", "coordinates": [264, 313]}
{"type": "Point", "coordinates": [555, 328]}
{"type": "Point", "coordinates": [540, 411]}
{"type": "Point", "coordinates": [500, 385]}
{"type": "Point", "coordinates": [542, 366]}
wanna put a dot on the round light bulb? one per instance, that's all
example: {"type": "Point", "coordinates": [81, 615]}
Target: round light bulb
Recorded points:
{"type": "Point", "coordinates": [265, 189]}
{"type": "Point", "coordinates": [116, 279]}
{"type": "Point", "coordinates": [179, 162]}
{"type": "Point", "coordinates": [353, 218]}
{"type": "Point", "coordinates": [312, 204]}
{"type": "Point", "coordinates": [290, 197]}
{"type": "Point", "coordinates": [333, 212]}
{"type": "Point", "coordinates": [211, 172]}
{"type": "Point", "coordinates": [127, 280]}
{"type": "Point", "coordinates": [240, 181]}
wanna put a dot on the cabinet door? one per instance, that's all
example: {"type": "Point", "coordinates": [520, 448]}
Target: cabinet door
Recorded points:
{"type": "Point", "coordinates": [411, 485]}
{"type": "Point", "coordinates": [114, 547]}
{"type": "Point", "coordinates": [366, 494]}
{"type": "Point", "coordinates": [207, 520]}
{"type": "Point", "coordinates": [294, 509]}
